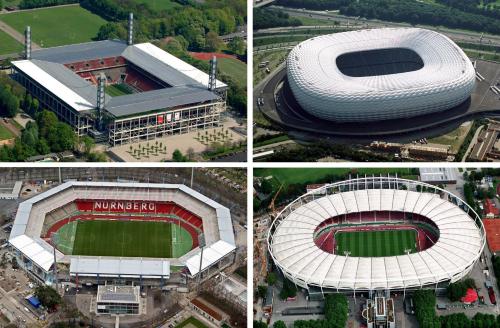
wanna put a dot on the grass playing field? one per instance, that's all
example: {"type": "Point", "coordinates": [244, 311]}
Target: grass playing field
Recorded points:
{"type": "Point", "coordinates": [116, 90]}
{"type": "Point", "coordinates": [376, 243]}
{"type": "Point", "coordinates": [235, 68]}
{"type": "Point", "coordinates": [288, 176]}
{"type": "Point", "coordinates": [8, 45]}
{"type": "Point", "coordinates": [124, 238]}
{"type": "Point", "coordinates": [56, 26]}
{"type": "Point", "coordinates": [157, 5]}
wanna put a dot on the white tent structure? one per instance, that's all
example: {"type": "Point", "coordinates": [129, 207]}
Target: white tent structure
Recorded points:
{"type": "Point", "coordinates": [379, 74]}
{"type": "Point", "coordinates": [293, 250]}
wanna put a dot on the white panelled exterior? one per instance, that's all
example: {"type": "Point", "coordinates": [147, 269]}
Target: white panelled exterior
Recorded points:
{"type": "Point", "coordinates": [292, 246]}
{"type": "Point", "coordinates": [446, 80]}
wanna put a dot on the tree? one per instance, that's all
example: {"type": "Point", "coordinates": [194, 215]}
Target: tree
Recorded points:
{"type": "Point", "coordinates": [336, 310]}
{"type": "Point", "coordinates": [279, 324]}
{"type": "Point", "coordinates": [178, 157]}
{"type": "Point", "coordinates": [271, 278]}
{"type": "Point", "coordinates": [262, 291]}
{"type": "Point", "coordinates": [237, 45]}
{"type": "Point", "coordinates": [266, 186]}
{"type": "Point", "coordinates": [212, 42]}
{"type": "Point", "coordinates": [47, 121]}
{"type": "Point", "coordinates": [88, 144]}
{"type": "Point", "coordinates": [259, 324]}
{"type": "Point", "coordinates": [48, 296]}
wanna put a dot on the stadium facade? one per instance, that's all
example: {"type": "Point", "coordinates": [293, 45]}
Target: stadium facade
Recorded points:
{"type": "Point", "coordinates": [155, 94]}
{"type": "Point", "coordinates": [295, 240]}
{"type": "Point", "coordinates": [379, 74]}
{"type": "Point", "coordinates": [36, 228]}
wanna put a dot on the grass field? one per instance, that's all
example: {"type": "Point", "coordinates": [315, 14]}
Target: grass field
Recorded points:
{"type": "Point", "coordinates": [289, 176]}
{"type": "Point", "coordinates": [118, 90]}
{"type": "Point", "coordinates": [52, 27]}
{"type": "Point", "coordinates": [454, 138]}
{"type": "Point", "coordinates": [5, 133]}
{"type": "Point", "coordinates": [191, 322]}
{"type": "Point", "coordinates": [124, 238]}
{"type": "Point", "coordinates": [8, 45]}
{"type": "Point", "coordinates": [235, 68]}
{"type": "Point", "coordinates": [376, 243]}
{"type": "Point", "coordinates": [160, 4]}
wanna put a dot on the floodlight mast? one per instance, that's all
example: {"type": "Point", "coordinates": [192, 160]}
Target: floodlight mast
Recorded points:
{"type": "Point", "coordinates": [201, 241]}
{"type": "Point", "coordinates": [54, 238]}
{"type": "Point", "coordinates": [27, 43]}
{"type": "Point", "coordinates": [130, 32]}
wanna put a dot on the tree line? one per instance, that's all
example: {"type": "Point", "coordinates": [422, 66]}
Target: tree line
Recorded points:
{"type": "Point", "coordinates": [267, 18]}
{"type": "Point", "coordinates": [28, 4]}
{"type": "Point", "coordinates": [410, 11]}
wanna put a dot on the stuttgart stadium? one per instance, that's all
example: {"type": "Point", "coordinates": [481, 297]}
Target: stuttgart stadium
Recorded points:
{"type": "Point", "coordinates": [376, 234]}
{"type": "Point", "coordinates": [379, 74]}
{"type": "Point", "coordinates": [120, 92]}
{"type": "Point", "coordinates": [104, 232]}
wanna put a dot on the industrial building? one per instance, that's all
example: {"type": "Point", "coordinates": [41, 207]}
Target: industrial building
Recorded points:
{"type": "Point", "coordinates": [120, 92]}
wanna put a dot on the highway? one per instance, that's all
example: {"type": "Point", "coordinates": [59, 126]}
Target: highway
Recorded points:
{"type": "Point", "coordinates": [456, 35]}
{"type": "Point", "coordinates": [262, 3]}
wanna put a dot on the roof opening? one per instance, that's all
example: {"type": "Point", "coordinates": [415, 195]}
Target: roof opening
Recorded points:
{"type": "Point", "coordinates": [379, 62]}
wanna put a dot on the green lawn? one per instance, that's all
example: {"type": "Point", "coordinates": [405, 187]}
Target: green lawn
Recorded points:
{"type": "Point", "coordinates": [376, 243]}
{"type": "Point", "coordinates": [116, 90]}
{"type": "Point", "coordinates": [5, 133]}
{"type": "Point", "coordinates": [124, 238]}
{"type": "Point", "coordinates": [160, 4]}
{"type": "Point", "coordinates": [191, 322]}
{"type": "Point", "coordinates": [311, 175]}
{"type": "Point", "coordinates": [8, 45]}
{"type": "Point", "coordinates": [235, 68]}
{"type": "Point", "coordinates": [56, 26]}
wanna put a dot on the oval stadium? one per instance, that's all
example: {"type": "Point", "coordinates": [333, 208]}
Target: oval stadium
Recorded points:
{"type": "Point", "coordinates": [376, 234]}
{"type": "Point", "coordinates": [379, 74]}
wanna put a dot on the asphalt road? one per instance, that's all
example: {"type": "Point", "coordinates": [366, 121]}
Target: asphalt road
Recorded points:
{"type": "Point", "coordinates": [456, 35]}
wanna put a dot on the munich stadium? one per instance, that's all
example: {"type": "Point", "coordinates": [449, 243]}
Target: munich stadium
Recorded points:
{"type": "Point", "coordinates": [107, 232]}
{"type": "Point", "coordinates": [379, 74]}
{"type": "Point", "coordinates": [376, 234]}
{"type": "Point", "coordinates": [121, 92]}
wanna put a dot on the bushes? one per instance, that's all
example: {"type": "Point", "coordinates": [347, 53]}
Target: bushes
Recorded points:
{"type": "Point", "coordinates": [28, 4]}
{"type": "Point", "coordinates": [289, 289]}
{"type": "Point", "coordinates": [336, 310]}
{"type": "Point", "coordinates": [267, 18]}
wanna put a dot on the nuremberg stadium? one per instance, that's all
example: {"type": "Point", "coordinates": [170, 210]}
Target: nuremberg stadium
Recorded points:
{"type": "Point", "coordinates": [146, 234]}
{"type": "Point", "coordinates": [120, 92]}
{"type": "Point", "coordinates": [375, 235]}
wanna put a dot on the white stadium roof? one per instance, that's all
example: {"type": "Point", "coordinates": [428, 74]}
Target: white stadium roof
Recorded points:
{"type": "Point", "coordinates": [294, 251]}
{"type": "Point", "coordinates": [446, 79]}
{"type": "Point", "coordinates": [123, 267]}
{"type": "Point", "coordinates": [28, 225]}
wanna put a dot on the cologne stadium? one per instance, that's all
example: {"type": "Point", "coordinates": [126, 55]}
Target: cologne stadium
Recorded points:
{"type": "Point", "coordinates": [120, 92]}
{"type": "Point", "coordinates": [377, 233]}
{"type": "Point", "coordinates": [106, 232]}
{"type": "Point", "coordinates": [379, 74]}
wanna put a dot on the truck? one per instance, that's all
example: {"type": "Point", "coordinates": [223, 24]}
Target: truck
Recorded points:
{"type": "Point", "coordinates": [491, 294]}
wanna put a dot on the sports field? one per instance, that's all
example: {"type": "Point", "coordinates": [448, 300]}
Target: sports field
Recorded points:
{"type": "Point", "coordinates": [116, 90]}
{"type": "Point", "coordinates": [235, 68]}
{"type": "Point", "coordinates": [8, 45]}
{"type": "Point", "coordinates": [124, 238]}
{"type": "Point", "coordinates": [56, 26]}
{"type": "Point", "coordinates": [191, 322]}
{"type": "Point", "coordinates": [376, 243]}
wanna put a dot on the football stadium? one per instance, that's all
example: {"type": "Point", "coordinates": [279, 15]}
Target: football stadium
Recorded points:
{"type": "Point", "coordinates": [379, 74]}
{"type": "Point", "coordinates": [107, 232]}
{"type": "Point", "coordinates": [120, 92]}
{"type": "Point", "coordinates": [376, 234]}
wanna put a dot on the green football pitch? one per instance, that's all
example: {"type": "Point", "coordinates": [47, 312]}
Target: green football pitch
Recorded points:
{"type": "Point", "coordinates": [124, 238]}
{"type": "Point", "coordinates": [56, 26]}
{"type": "Point", "coordinates": [376, 243]}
